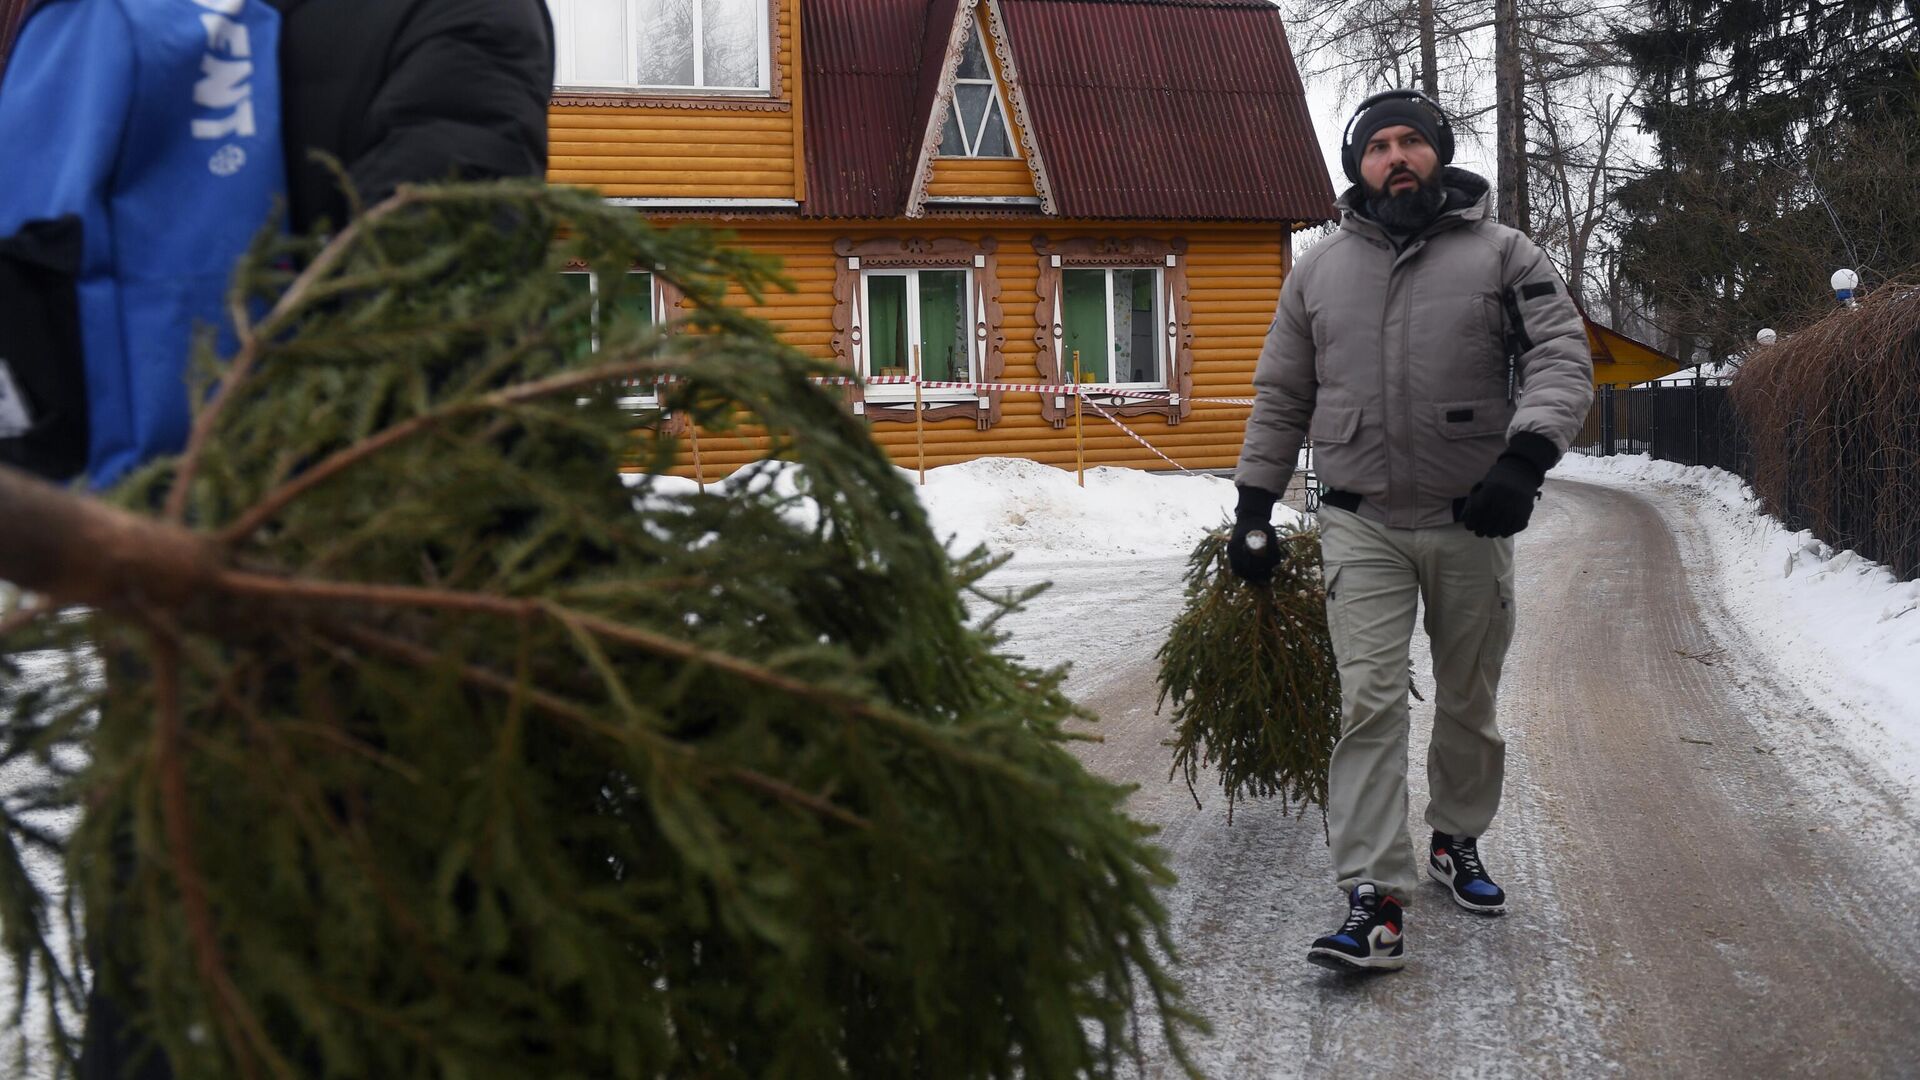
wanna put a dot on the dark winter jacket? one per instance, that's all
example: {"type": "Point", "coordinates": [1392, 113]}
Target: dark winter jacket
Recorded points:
{"type": "Point", "coordinates": [1395, 361]}
{"type": "Point", "coordinates": [411, 90]}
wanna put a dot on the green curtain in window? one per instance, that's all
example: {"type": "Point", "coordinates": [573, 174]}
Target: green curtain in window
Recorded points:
{"type": "Point", "coordinates": [943, 325]}
{"type": "Point", "coordinates": [887, 325]}
{"type": "Point", "coordinates": [1083, 312]}
{"type": "Point", "coordinates": [579, 285]}
{"type": "Point", "coordinates": [635, 300]}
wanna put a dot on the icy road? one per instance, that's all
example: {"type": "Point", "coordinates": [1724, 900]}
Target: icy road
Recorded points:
{"type": "Point", "coordinates": [1706, 879]}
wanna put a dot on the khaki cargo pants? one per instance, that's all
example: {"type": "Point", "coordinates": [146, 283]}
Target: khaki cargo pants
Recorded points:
{"type": "Point", "coordinates": [1374, 577]}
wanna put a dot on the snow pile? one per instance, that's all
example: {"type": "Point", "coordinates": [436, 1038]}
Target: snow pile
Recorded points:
{"type": "Point", "coordinates": [1013, 505]}
{"type": "Point", "coordinates": [1838, 625]}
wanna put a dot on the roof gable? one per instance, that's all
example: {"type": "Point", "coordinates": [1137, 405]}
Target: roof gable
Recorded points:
{"type": "Point", "coordinates": [1145, 109]}
{"type": "Point", "coordinates": [940, 74]}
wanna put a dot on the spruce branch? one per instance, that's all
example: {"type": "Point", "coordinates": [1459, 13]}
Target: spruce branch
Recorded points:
{"type": "Point", "coordinates": [560, 709]}
{"type": "Point", "coordinates": [1252, 678]}
{"type": "Point", "coordinates": [304, 482]}
{"type": "Point", "coordinates": [287, 590]}
{"type": "Point", "coordinates": [411, 711]}
{"type": "Point", "coordinates": [82, 551]}
{"type": "Point", "coordinates": [238, 1026]}
{"type": "Point", "coordinates": [250, 336]}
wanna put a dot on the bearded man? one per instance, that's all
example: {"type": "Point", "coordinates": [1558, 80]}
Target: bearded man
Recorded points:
{"type": "Point", "coordinates": [1438, 364]}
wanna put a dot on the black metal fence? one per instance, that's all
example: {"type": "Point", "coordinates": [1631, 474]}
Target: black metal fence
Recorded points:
{"type": "Point", "coordinates": [1691, 423]}
{"type": "Point", "coordinates": [1843, 480]}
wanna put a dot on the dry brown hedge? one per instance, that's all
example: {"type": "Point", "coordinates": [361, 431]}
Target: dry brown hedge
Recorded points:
{"type": "Point", "coordinates": [1833, 417]}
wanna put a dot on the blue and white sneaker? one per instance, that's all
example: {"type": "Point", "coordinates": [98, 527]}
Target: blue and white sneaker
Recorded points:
{"type": "Point", "coordinates": [1455, 862]}
{"type": "Point", "coordinates": [1372, 938]}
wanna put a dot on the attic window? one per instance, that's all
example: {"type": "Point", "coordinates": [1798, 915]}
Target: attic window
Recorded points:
{"type": "Point", "coordinates": [976, 122]}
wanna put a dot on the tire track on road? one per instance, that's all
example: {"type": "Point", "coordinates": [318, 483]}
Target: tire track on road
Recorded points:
{"type": "Point", "coordinates": [1673, 912]}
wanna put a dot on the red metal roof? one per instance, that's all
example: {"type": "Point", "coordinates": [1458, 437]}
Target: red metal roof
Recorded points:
{"type": "Point", "coordinates": [933, 50]}
{"type": "Point", "coordinates": [1188, 109]}
{"type": "Point", "coordinates": [863, 60]}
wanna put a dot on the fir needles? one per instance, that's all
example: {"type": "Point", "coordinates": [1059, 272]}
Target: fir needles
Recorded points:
{"type": "Point", "coordinates": [438, 751]}
{"type": "Point", "coordinates": [1250, 670]}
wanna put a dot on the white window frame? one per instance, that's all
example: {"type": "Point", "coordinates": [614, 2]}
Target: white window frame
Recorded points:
{"type": "Point", "coordinates": [566, 49]}
{"type": "Point", "coordinates": [893, 392]}
{"type": "Point", "coordinates": [996, 105]}
{"type": "Point", "coordinates": [1166, 342]}
{"type": "Point", "coordinates": [656, 304]}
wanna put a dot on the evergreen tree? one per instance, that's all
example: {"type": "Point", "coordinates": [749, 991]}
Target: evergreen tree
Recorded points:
{"type": "Point", "coordinates": [427, 748]}
{"type": "Point", "coordinates": [1786, 149]}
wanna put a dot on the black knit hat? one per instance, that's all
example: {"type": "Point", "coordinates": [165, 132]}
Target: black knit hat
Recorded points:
{"type": "Point", "coordinates": [1413, 110]}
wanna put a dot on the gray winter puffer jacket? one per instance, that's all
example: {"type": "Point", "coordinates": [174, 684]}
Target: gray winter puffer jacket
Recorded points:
{"type": "Point", "coordinates": [1395, 363]}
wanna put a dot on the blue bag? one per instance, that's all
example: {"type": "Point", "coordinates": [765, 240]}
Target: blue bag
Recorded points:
{"type": "Point", "coordinates": [155, 124]}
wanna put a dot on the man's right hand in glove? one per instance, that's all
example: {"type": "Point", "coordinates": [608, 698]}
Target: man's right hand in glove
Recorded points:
{"type": "Point", "coordinates": [1501, 505]}
{"type": "Point", "coordinates": [1253, 552]}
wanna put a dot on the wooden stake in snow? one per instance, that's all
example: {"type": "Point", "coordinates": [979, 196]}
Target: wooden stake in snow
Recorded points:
{"type": "Point", "coordinates": [1079, 428]}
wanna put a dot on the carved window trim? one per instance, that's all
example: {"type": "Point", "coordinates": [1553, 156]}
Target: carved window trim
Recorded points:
{"type": "Point", "coordinates": [1115, 253]}
{"type": "Point", "coordinates": [853, 257]}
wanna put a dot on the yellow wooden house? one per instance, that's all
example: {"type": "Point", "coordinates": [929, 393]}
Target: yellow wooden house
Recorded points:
{"type": "Point", "coordinates": [971, 192]}
{"type": "Point", "coordinates": [1619, 360]}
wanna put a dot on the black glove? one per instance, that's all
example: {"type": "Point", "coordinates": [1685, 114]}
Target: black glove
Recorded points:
{"type": "Point", "coordinates": [1254, 560]}
{"type": "Point", "coordinates": [1501, 504]}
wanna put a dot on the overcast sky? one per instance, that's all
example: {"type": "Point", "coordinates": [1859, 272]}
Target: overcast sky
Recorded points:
{"type": "Point", "coordinates": [1330, 119]}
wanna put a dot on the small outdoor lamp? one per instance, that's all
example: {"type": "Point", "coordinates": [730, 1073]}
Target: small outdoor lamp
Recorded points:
{"type": "Point", "coordinates": [1766, 336]}
{"type": "Point", "coordinates": [1844, 282]}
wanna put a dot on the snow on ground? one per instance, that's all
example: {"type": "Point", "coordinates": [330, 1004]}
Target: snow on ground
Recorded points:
{"type": "Point", "coordinates": [1038, 512]}
{"type": "Point", "coordinates": [1837, 626]}
{"type": "Point", "coordinates": [1023, 508]}
{"type": "Point", "coordinates": [1114, 553]}
{"type": "Point", "coordinates": [31, 1037]}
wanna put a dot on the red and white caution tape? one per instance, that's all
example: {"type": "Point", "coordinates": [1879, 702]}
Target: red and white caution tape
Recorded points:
{"type": "Point", "coordinates": [1087, 390]}
{"type": "Point", "coordinates": [1137, 438]}
{"type": "Point", "coordinates": [1026, 388]}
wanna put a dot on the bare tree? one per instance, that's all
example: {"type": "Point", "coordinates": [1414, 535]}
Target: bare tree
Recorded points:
{"type": "Point", "coordinates": [1429, 52]}
{"type": "Point", "coordinates": [1575, 162]}
{"type": "Point", "coordinates": [1561, 101]}
{"type": "Point", "coordinates": [1365, 45]}
{"type": "Point", "coordinates": [1578, 108]}
{"type": "Point", "coordinates": [1510, 114]}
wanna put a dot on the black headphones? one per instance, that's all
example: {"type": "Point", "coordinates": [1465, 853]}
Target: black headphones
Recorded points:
{"type": "Point", "coordinates": [1350, 157]}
